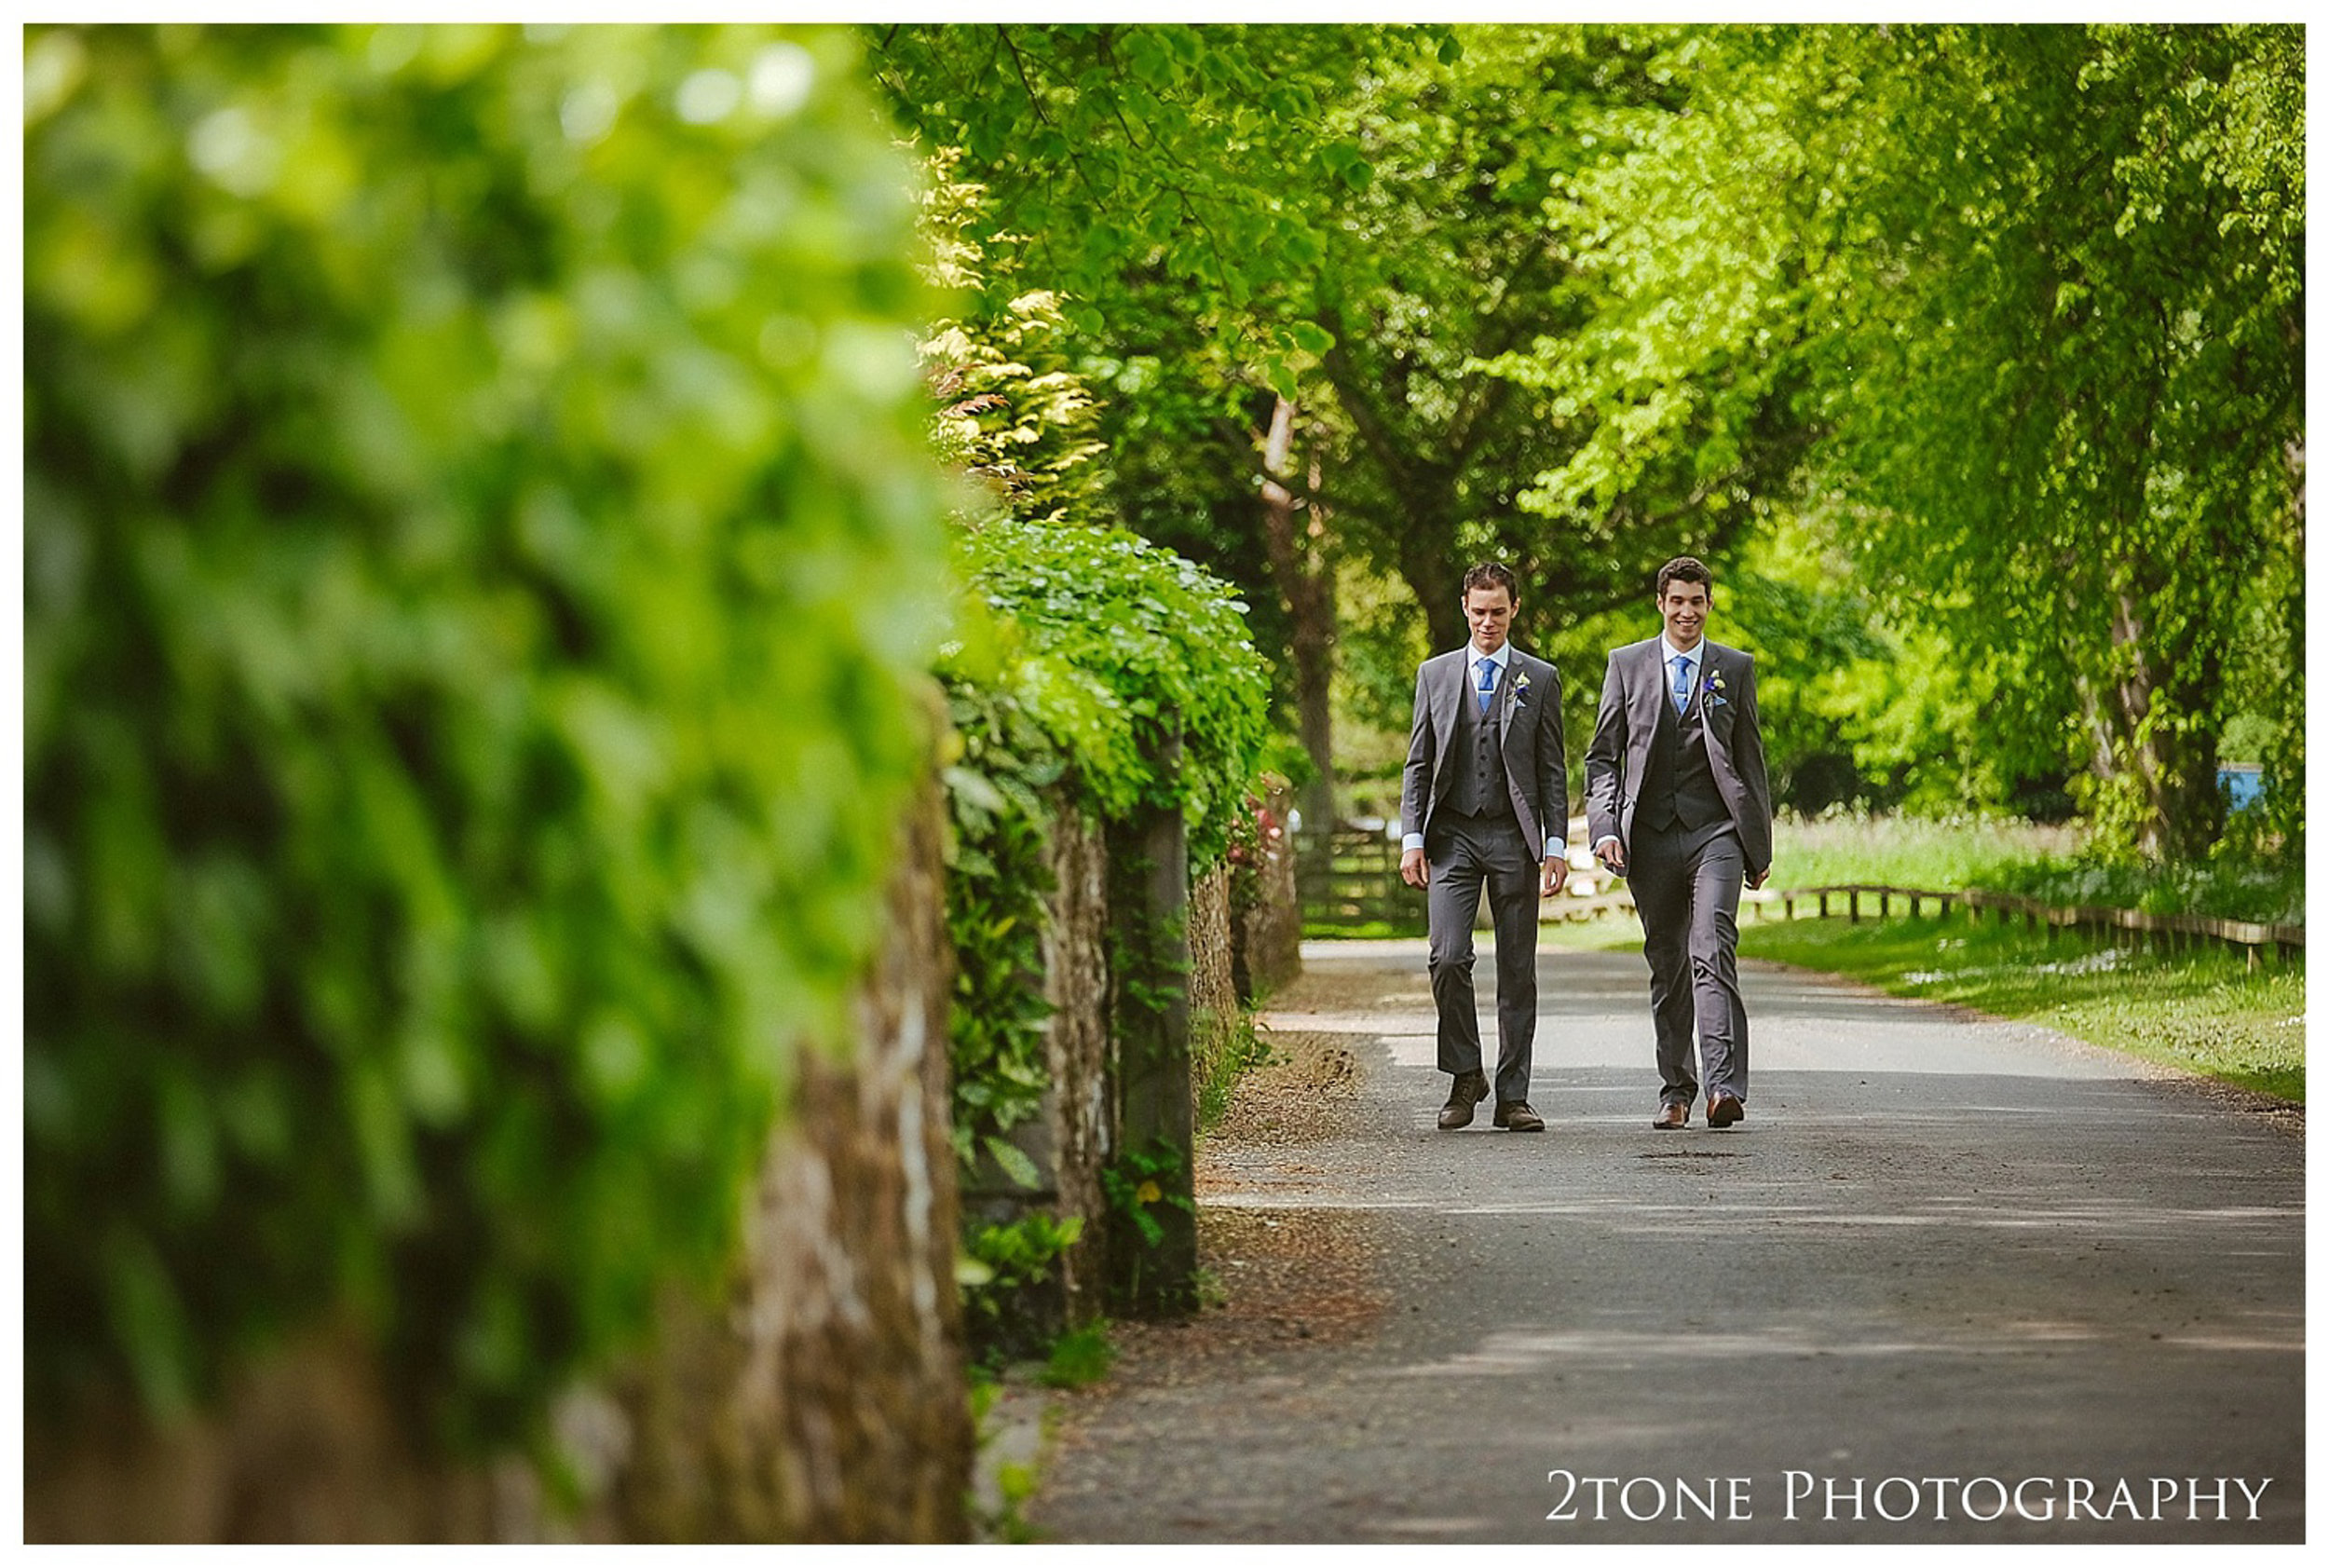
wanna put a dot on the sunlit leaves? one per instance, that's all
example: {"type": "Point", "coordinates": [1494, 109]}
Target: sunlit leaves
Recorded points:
{"type": "Point", "coordinates": [1991, 276]}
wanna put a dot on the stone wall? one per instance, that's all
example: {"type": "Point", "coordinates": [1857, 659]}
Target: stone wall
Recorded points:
{"type": "Point", "coordinates": [1213, 1010]}
{"type": "Point", "coordinates": [1074, 1135]}
{"type": "Point", "coordinates": [1268, 931]}
{"type": "Point", "coordinates": [303, 1446]}
{"type": "Point", "coordinates": [824, 1400]}
{"type": "Point", "coordinates": [821, 1397]}
{"type": "Point", "coordinates": [1076, 1110]}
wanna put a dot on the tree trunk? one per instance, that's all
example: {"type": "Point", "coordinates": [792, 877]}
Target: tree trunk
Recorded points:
{"type": "Point", "coordinates": [1428, 561]}
{"type": "Point", "coordinates": [2164, 729]}
{"type": "Point", "coordinates": [1305, 580]}
{"type": "Point", "coordinates": [2287, 763]}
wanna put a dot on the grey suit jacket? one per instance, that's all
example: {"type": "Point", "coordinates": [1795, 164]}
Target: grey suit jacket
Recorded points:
{"type": "Point", "coordinates": [1622, 736]}
{"type": "Point", "coordinates": [1526, 712]}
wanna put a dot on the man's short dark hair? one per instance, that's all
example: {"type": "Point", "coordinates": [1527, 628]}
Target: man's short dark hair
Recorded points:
{"type": "Point", "coordinates": [1686, 568]}
{"type": "Point", "coordinates": [1493, 574]}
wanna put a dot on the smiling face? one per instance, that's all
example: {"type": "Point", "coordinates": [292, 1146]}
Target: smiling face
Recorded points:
{"type": "Point", "coordinates": [1490, 612]}
{"type": "Point", "coordinates": [1684, 607]}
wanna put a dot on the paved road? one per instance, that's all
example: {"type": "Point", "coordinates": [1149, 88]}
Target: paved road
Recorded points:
{"type": "Point", "coordinates": [1974, 1256]}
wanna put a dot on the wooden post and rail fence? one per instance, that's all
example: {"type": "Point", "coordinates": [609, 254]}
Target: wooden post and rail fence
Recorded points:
{"type": "Point", "coordinates": [1350, 881]}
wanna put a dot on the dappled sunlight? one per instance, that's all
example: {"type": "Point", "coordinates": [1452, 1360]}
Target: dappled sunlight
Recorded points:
{"type": "Point", "coordinates": [1525, 1353]}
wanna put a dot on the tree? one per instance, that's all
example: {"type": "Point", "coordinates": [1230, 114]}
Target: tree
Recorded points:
{"type": "Point", "coordinates": [2104, 371]}
{"type": "Point", "coordinates": [2035, 296]}
{"type": "Point", "coordinates": [1165, 182]}
{"type": "Point", "coordinates": [1315, 392]}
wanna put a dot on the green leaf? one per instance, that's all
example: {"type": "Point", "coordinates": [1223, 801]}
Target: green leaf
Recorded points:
{"type": "Point", "coordinates": [1015, 1163]}
{"type": "Point", "coordinates": [1311, 337]}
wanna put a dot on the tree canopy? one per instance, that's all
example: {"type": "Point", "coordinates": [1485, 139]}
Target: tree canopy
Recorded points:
{"type": "Point", "coordinates": [2039, 291]}
{"type": "Point", "coordinates": [2011, 315]}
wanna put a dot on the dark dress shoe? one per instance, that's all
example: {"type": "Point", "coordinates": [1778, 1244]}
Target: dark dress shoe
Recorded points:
{"type": "Point", "coordinates": [1722, 1110]}
{"type": "Point", "coordinates": [1469, 1090]}
{"type": "Point", "coordinates": [1671, 1118]}
{"type": "Point", "coordinates": [1514, 1115]}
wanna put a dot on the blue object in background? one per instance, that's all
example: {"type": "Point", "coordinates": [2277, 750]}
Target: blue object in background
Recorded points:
{"type": "Point", "coordinates": [2242, 783]}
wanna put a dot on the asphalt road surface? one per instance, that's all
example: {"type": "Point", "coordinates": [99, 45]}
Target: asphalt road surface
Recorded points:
{"type": "Point", "coordinates": [1952, 1279]}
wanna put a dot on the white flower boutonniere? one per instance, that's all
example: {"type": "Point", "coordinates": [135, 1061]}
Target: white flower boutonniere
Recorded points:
{"type": "Point", "coordinates": [1519, 689]}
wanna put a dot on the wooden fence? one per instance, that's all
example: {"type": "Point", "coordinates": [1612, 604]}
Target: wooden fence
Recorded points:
{"type": "Point", "coordinates": [1350, 880]}
{"type": "Point", "coordinates": [2172, 931]}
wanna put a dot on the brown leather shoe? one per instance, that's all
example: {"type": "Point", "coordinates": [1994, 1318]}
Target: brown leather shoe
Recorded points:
{"type": "Point", "coordinates": [1722, 1110]}
{"type": "Point", "coordinates": [1514, 1115]}
{"type": "Point", "coordinates": [1672, 1118]}
{"type": "Point", "coordinates": [1469, 1089]}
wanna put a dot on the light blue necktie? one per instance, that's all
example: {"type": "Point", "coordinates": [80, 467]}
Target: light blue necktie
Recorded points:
{"type": "Point", "coordinates": [1488, 683]}
{"type": "Point", "coordinates": [1681, 684]}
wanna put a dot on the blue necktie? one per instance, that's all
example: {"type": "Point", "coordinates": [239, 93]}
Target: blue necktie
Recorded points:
{"type": "Point", "coordinates": [1488, 683]}
{"type": "Point", "coordinates": [1681, 684]}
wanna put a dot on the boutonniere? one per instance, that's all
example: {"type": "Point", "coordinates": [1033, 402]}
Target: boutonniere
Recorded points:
{"type": "Point", "coordinates": [1519, 689]}
{"type": "Point", "coordinates": [1714, 690]}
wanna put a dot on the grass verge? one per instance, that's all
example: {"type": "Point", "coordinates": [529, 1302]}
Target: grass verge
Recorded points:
{"type": "Point", "coordinates": [2201, 1010]}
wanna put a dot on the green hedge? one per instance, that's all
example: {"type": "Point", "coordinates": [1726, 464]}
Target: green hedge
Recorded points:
{"type": "Point", "coordinates": [480, 547]}
{"type": "Point", "coordinates": [1117, 640]}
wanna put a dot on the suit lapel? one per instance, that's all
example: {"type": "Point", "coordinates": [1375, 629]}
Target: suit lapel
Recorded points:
{"type": "Point", "coordinates": [1443, 700]}
{"type": "Point", "coordinates": [1508, 709]}
{"type": "Point", "coordinates": [1708, 669]}
{"type": "Point", "coordinates": [1652, 693]}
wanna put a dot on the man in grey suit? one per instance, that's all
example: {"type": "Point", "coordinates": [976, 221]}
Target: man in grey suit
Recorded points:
{"type": "Point", "coordinates": [1677, 804]}
{"type": "Point", "coordinates": [1485, 797]}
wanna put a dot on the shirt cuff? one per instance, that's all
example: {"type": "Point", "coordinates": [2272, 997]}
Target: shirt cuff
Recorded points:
{"type": "Point", "coordinates": [1412, 842]}
{"type": "Point", "coordinates": [1605, 839]}
{"type": "Point", "coordinates": [1557, 852]}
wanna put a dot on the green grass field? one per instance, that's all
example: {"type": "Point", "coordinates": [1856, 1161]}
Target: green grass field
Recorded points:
{"type": "Point", "coordinates": [2201, 1010]}
{"type": "Point", "coordinates": [2048, 863]}
{"type": "Point", "coordinates": [1911, 852]}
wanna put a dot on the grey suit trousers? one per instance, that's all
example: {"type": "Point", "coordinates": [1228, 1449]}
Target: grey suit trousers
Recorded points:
{"type": "Point", "coordinates": [1685, 884]}
{"type": "Point", "coordinates": [1466, 854]}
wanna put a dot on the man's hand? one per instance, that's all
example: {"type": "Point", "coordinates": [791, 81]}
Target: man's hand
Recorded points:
{"type": "Point", "coordinates": [1755, 882]}
{"type": "Point", "coordinates": [1556, 875]}
{"type": "Point", "coordinates": [1612, 855]}
{"type": "Point", "coordinates": [1412, 870]}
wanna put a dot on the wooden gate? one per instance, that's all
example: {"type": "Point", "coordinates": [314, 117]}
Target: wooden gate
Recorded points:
{"type": "Point", "coordinates": [1349, 882]}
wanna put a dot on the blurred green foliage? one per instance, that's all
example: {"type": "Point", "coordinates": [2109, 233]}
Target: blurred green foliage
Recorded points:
{"type": "Point", "coordinates": [480, 550]}
{"type": "Point", "coordinates": [1964, 850]}
{"type": "Point", "coordinates": [998, 1263]}
{"type": "Point", "coordinates": [2229, 883]}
